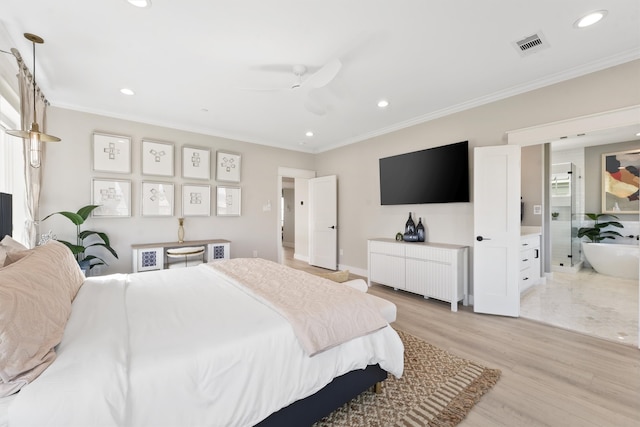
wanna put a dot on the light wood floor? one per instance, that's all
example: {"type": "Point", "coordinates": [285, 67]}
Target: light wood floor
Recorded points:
{"type": "Point", "coordinates": [550, 376]}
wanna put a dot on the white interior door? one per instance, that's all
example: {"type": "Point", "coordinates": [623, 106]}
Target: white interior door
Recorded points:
{"type": "Point", "coordinates": [323, 222]}
{"type": "Point", "coordinates": [496, 212]}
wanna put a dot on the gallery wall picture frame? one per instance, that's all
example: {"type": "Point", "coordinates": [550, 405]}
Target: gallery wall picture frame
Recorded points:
{"type": "Point", "coordinates": [196, 200]}
{"type": "Point", "coordinates": [157, 198]}
{"type": "Point", "coordinates": [157, 158]}
{"type": "Point", "coordinates": [111, 153]}
{"type": "Point", "coordinates": [196, 163]}
{"type": "Point", "coordinates": [113, 196]}
{"type": "Point", "coordinates": [228, 166]}
{"type": "Point", "coordinates": [620, 182]}
{"type": "Point", "coordinates": [228, 201]}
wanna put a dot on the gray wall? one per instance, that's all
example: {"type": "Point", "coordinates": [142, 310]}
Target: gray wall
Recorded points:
{"type": "Point", "coordinates": [532, 184]}
{"type": "Point", "coordinates": [289, 228]}
{"type": "Point", "coordinates": [360, 217]}
{"type": "Point", "coordinates": [68, 175]}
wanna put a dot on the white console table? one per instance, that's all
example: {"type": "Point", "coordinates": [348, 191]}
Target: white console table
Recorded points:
{"type": "Point", "coordinates": [433, 270]}
{"type": "Point", "coordinates": [153, 256]}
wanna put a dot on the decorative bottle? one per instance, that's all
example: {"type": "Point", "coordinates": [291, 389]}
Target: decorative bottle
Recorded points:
{"type": "Point", "coordinates": [410, 226]}
{"type": "Point", "coordinates": [180, 230]}
{"type": "Point", "coordinates": [420, 230]}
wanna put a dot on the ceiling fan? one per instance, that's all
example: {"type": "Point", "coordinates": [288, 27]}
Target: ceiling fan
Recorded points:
{"type": "Point", "coordinates": [317, 80]}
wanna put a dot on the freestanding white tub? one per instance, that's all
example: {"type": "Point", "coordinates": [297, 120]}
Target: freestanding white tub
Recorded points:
{"type": "Point", "coordinates": [613, 259]}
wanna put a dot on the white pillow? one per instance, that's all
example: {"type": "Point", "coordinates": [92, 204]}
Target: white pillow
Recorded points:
{"type": "Point", "coordinates": [9, 245]}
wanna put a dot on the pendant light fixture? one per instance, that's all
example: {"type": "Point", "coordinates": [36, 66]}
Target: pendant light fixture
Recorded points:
{"type": "Point", "coordinates": [35, 137]}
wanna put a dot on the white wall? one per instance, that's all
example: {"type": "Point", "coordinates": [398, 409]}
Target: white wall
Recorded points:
{"type": "Point", "coordinates": [68, 174]}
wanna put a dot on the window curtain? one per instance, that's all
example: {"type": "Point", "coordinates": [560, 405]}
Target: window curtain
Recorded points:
{"type": "Point", "coordinates": [32, 176]}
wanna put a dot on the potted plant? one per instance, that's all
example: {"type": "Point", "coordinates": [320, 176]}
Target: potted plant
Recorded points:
{"type": "Point", "coordinates": [595, 233]}
{"type": "Point", "coordinates": [98, 239]}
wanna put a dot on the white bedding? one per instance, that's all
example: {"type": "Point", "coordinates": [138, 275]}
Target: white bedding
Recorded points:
{"type": "Point", "coordinates": [182, 347]}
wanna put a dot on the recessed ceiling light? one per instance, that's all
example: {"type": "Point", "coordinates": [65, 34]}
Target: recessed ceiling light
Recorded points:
{"type": "Point", "coordinates": [140, 3]}
{"type": "Point", "coordinates": [590, 19]}
{"type": "Point", "coordinates": [383, 103]}
{"type": "Point", "coordinates": [309, 133]}
{"type": "Point", "coordinates": [126, 91]}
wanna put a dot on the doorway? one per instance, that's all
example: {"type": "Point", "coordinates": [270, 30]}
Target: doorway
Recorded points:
{"type": "Point", "coordinates": [298, 211]}
{"type": "Point", "coordinates": [574, 298]}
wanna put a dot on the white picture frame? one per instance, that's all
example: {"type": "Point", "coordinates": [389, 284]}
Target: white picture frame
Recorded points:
{"type": "Point", "coordinates": [196, 163]}
{"type": "Point", "coordinates": [113, 196]}
{"type": "Point", "coordinates": [157, 198]}
{"type": "Point", "coordinates": [228, 201]}
{"type": "Point", "coordinates": [196, 200]}
{"type": "Point", "coordinates": [228, 166]}
{"type": "Point", "coordinates": [111, 153]}
{"type": "Point", "coordinates": [157, 158]}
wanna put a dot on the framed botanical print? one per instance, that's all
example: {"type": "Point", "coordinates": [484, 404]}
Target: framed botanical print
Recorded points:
{"type": "Point", "coordinates": [157, 158]}
{"type": "Point", "coordinates": [157, 198]}
{"type": "Point", "coordinates": [196, 200]}
{"type": "Point", "coordinates": [228, 201]}
{"type": "Point", "coordinates": [113, 196]}
{"type": "Point", "coordinates": [196, 163]}
{"type": "Point", "coordinates": [111, 153]}
{"type": "Point", "coordinates": [228, 166]}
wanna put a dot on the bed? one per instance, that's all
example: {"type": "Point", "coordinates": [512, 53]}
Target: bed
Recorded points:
{"type": "Point", "coordinates": [192, 347]}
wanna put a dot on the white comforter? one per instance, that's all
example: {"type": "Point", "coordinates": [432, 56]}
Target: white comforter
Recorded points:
{"type": "Point", "coordinates": [182, 347]}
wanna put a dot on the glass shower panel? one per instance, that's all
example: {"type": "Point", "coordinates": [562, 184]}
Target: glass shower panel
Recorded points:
{"type": "Point", "coordinates": [562, 215]}
{"type": "Point", "coordinates": [575, 221]}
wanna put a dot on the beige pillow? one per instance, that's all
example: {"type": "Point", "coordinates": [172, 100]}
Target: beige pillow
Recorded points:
{"type": "Point", "coordinates": [336, 276]}
{"type": "Point", "coordinates": [7, 245]}
{"type": "Point", "coordinates": [36, 291]}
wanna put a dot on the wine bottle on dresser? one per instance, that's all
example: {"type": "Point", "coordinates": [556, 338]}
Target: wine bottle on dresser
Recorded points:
{"type": "Point", "coordinates": [420, 230]}
{"type": "Point", "coordinates": [410, 226]}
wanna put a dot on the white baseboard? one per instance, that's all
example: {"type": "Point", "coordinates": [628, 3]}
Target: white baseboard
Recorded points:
{"type": "Point", "coordinates": [301, 257]}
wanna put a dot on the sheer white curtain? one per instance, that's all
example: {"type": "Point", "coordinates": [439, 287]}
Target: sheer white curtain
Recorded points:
{"type": "Point", "coordinates": [32, 176]}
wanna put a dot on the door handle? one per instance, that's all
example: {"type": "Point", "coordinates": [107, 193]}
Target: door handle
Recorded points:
{"type": "Point", "coordinates": [333, 227]}
{"type": "Point", "coordinates": [480, 238]}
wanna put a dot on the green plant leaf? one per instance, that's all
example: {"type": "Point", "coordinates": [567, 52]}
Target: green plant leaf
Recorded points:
{"type": "Point", "coordinates": [90, 258]}
{"type": "Point", "coordinates": [109, 248]}
{"type": "Point", "coordinates": [73, 217]}
{"type": "Point", "coordinates": [86, 210]}
{"type": "Point", "coordinates": [75, 249]}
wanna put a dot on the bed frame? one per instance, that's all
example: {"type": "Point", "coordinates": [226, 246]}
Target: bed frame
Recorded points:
{"type": "Point", "coordinates": [342, 389]}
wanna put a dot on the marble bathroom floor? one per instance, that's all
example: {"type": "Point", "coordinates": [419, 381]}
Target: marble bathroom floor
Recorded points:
{"type": "Point", "coordinates": [587, 302]}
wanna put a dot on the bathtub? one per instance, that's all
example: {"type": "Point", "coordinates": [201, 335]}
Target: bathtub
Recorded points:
{"type": "Point", "coordinates": [613, 259]}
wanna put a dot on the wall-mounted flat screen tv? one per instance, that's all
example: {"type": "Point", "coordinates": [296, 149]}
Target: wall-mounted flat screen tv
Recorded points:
{"type": "Point", "coordinates": [434, 175]}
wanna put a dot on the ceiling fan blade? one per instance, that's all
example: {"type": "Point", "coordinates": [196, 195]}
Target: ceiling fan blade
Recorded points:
{"type": "Point", "coordinates": [324, 75]}
{"type": "Point", "coordinates": [314, 107]}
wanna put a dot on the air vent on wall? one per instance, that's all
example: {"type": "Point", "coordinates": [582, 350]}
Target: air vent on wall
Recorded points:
{"type": "Point", "coordinates": [531, 44]}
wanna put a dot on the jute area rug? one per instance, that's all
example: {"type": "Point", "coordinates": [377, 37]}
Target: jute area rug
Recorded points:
{"type": "Point", "coordinates": [436, 389]}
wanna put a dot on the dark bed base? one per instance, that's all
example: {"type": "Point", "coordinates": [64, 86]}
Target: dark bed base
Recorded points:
{"type": "Point", "coordinates": [339, 391]}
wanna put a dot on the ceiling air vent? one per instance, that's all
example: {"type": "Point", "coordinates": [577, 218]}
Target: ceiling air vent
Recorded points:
{"type": "Point", "coordinates": [531, 44]}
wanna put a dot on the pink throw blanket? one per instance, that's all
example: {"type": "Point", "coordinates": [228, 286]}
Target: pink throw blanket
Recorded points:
{"type": "Point", "coordinates": [323, 313]}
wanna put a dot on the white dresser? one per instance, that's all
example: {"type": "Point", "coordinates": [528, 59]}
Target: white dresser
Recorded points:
{"type": "Point", "coordinates": [529, 260]}
{"type": "Point", "coordinates": [433, 270]}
